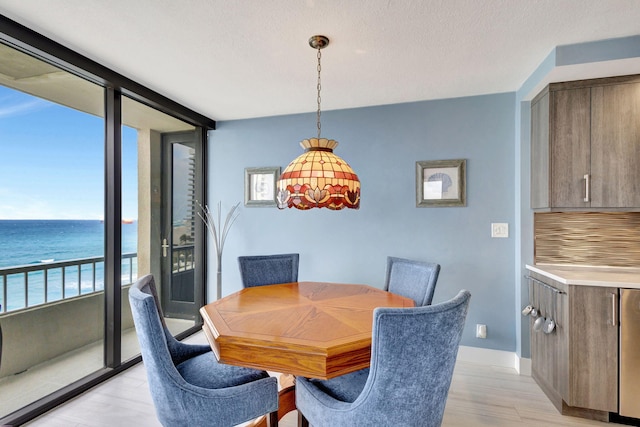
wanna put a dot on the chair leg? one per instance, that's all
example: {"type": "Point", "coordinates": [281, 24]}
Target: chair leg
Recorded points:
{"type": "Point", "coordinates": [272, 419]}
{"type": "Point", "coordinates": [302, 420]}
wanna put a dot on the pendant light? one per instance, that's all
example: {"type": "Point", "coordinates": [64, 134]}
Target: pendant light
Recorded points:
{"type": "Point", "coordinates": [318, 178]}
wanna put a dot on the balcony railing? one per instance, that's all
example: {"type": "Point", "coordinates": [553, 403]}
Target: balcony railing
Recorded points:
{"type": "Point", "coordinates": [183, 258]}
{"type": "Point", "coordinates": [34, 284]}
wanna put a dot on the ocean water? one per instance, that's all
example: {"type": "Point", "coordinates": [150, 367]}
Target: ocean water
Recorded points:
{"type": "Point", "coordinates": [40, 242]}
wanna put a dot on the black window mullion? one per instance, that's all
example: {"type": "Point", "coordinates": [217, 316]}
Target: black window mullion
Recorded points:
{"type": "Point", "coordinates": [113, 228]}
{"type": "Point", "coordinates": [200, 243]}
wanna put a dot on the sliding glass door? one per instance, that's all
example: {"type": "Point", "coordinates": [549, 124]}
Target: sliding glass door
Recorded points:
{"type": "Point", "coordinates": [181, 294]}
{"type": "Point", "coordinates": [82, 193]}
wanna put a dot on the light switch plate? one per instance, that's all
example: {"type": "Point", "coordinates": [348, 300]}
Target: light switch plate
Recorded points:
{"type": "Point", "coordinates": [499, 229]}
{"type": "Point", "coordinates": [481, 331]}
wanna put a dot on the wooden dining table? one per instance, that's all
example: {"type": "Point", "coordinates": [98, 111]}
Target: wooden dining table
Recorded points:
{"type": "Point", "coordinates": [311, 329]}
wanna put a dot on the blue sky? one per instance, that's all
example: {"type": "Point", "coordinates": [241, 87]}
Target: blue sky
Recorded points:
{"type": "Point", "coordinates": [52, 161]}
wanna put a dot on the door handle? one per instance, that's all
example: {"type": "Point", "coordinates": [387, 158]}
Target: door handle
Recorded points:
{"type": "Point", "coordinates": [587, 189]}
{"type": "Point", "coordinates": [614, 309]}
{"type": "Point", "coordinates": [164, 248]}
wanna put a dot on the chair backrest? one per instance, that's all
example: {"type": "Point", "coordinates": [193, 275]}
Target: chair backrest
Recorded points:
{"type": "Point", "coordinates": [154, 341]}
{"type": "Point", "coordinates": [412, 279]}
{"type": "Point", "coordinates": [147, 285]}
{"type": "Point", "coordinates": [0, 342]}
{"type": "Point", "coordinates": [259, 270]}
{"type": "Point", "coordinates": [413, 354]}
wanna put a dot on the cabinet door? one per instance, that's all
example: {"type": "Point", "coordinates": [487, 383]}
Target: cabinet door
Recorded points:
{"type": "Point", "coordinates": [593, 348]}
{"type": "Point", "coordinates": [549, 354]}
{"type": "Point", "coordinates": [549, 361]}
{"type": "Point", "coordinates": [570, 130]}
{"type": "Point", "coordinates": [615, 146]}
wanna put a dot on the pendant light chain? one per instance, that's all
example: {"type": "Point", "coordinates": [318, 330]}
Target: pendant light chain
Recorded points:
{"type": "Point", "coordinates": [319, 87]}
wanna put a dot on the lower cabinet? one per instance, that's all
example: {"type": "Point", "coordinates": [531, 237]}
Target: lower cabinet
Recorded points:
{"type": "Point", "coordinates": [576, 364]}
{"type": "Point", "coordinates": [593, 348]}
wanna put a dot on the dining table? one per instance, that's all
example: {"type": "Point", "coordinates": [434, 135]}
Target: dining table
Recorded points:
{"type": "Point", "coordinates": [313, 329]}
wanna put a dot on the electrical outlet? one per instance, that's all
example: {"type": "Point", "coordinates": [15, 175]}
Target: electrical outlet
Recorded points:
{"type": "Point", "coordinates": [499, 229]}
{"type": "Point", "coordinates": [481, 331]}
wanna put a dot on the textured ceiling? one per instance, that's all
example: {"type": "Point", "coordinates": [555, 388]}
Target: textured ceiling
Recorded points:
{"type": "Point", "coordinates": [240, 59]}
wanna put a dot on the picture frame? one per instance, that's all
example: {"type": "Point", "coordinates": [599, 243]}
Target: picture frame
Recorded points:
{"type": "Point", "coordinates": [260, 186]}
{"type": "Point", "coordinates": [441, 183]}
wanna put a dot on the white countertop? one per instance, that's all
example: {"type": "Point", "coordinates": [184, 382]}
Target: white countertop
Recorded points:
{"type": "Point", "coordinates": [614, 277]}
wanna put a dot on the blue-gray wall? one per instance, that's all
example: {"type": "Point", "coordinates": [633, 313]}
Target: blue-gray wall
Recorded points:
{"type": "Point", "coordinates": [382, 145]}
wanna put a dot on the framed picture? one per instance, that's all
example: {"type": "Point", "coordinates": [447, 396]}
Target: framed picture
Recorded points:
{"type": "Point", "coordinates": [441, 183]}
{"type": "Point", "coordinates": [260, 186]}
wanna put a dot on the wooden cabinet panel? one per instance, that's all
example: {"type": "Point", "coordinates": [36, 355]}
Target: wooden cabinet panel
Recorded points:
{"type": "Point", "coordinates": [550, 361]}
{"type": "Point", "coordinates": [593, 348]}
{"type": "Point", "coordinates": [549, 352]}
{"type": "Point", "coordinates": [540, 153]}
{"type": "Point", "coordinates": [570, 146]}
{"type": "Point", "coordinates": [615, 146]}
{"type": "Point", "coordinates": [560, 143]}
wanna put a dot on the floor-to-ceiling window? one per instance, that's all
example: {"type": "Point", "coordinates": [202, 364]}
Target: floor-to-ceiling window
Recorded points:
{"type": "Point", "coordinates": [51, 228]}
{"type": "Point", "coordinates": [83, 205]}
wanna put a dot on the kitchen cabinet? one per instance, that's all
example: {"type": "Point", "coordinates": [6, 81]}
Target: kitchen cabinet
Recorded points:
{"type": "Point", "coordinates": [577, 364]}
{"type": "Point", "coordinates": [593, 348]}
{"type": "Point", "coordinates": [585, 145]}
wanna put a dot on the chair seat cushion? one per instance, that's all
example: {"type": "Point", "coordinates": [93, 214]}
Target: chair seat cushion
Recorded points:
{"type": "Point", "coordinates": [205, 371]}
{"type": "Point", "coordinates": [346, 388]}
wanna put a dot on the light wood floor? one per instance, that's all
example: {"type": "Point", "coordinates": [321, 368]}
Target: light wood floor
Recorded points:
{"type": "Point", "coordinates": [480, 395]}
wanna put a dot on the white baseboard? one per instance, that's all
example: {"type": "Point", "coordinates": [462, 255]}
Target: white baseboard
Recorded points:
{"type": "Point", "coordinates": [486, 356]}
{"type": "Point", "coordinates": [523, 365]}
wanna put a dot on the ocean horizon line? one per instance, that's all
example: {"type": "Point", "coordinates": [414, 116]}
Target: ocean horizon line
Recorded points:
{"type": "Point", "coordinates": [63, 219]}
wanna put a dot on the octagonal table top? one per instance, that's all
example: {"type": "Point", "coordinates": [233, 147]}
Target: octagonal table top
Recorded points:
{"type": "Point", "coordinates": [313, 329]}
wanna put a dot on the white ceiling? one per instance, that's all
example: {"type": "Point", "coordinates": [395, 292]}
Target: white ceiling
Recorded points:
{"type": "Point", "coordinates": [239, 59]}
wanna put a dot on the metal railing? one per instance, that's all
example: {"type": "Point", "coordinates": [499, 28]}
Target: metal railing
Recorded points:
{"type": "Point", "coordinates": [183, 258]}
{"type": "Point", "coordinates": [26, 286]}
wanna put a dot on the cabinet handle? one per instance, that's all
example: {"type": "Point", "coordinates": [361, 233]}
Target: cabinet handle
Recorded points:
{"type": "Point", "coordinates": [614, 309]}
{"type": "Point", "coordinates": [587, 189]}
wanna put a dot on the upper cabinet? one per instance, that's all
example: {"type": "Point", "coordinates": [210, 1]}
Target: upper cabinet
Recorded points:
{"type": "Point", "coordinates": [615, 145]}
{"type": "Point", "coordinates": [585, 145]}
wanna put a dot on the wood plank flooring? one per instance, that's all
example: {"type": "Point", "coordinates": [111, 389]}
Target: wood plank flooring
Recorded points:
{"type": "Point", "coordinates": [480, 395]}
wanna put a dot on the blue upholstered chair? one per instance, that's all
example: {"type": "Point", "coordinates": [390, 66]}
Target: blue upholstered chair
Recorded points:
{"type": "Point", "coordinates": [261, 270]}
{"type": "Point", "coordinates": [413, 353]}
{"type": "Point", "coordinates": [412, 279]}
{"type": "Point", "coordinates": [0, 341]}
{"type": "Point", "coordinates": [188, 385]}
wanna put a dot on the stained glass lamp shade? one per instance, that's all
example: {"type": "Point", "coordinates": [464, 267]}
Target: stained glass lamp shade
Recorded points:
{"type": "Point", "coordinates": [318, 179]}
